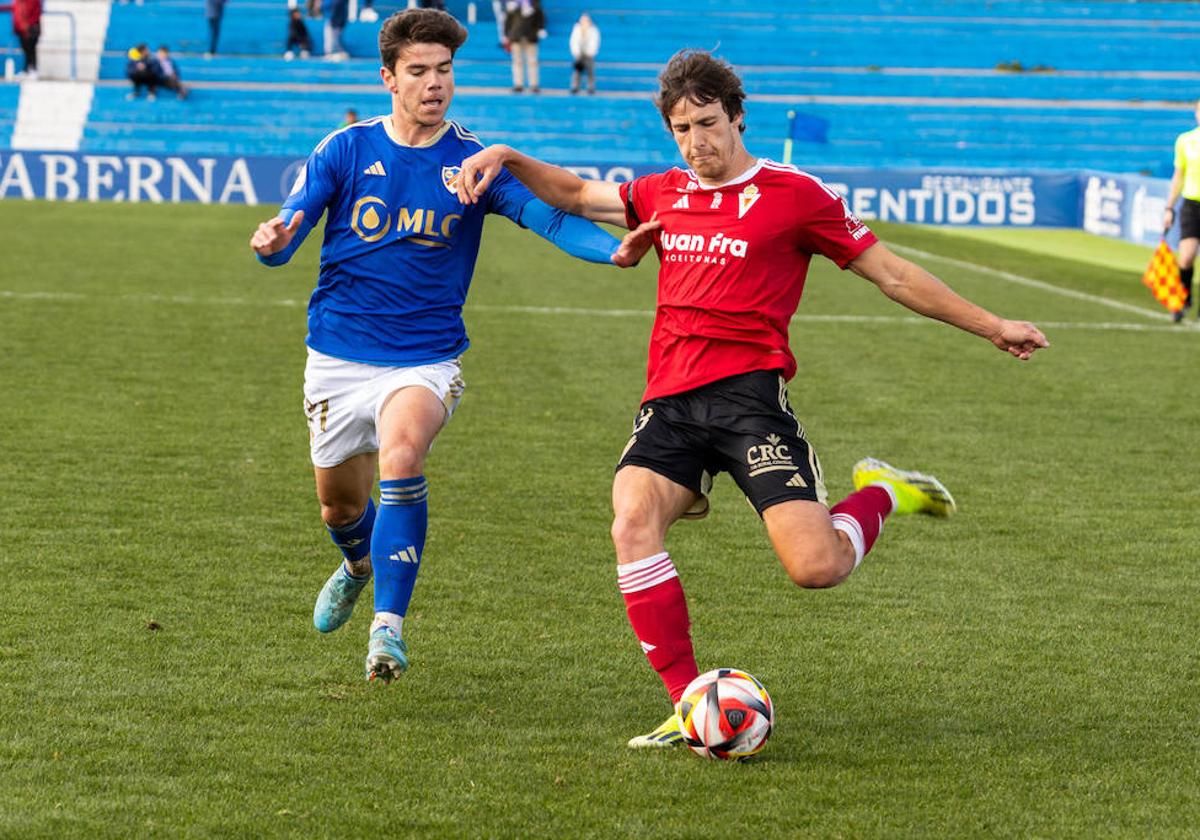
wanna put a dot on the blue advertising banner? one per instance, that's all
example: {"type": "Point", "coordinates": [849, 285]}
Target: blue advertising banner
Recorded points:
{"type": "Point", "coordinates": [1128, 207]}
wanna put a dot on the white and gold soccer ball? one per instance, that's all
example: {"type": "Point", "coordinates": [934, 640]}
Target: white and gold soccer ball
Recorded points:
{"type": "Point", "coordinates": [726, 714]}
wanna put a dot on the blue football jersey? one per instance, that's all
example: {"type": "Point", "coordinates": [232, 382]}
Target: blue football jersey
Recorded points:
{"type": "Point", "coordinates": [399, 247]}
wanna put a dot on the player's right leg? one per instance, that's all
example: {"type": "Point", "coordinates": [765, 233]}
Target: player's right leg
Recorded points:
{"type": "Point", "coordinates": [660, 477]}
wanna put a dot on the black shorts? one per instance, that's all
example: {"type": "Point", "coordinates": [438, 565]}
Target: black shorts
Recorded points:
{"type": "Point", "coordinates": [742, 425]}
{"type": "Point", "coordinates": [1189, 219]}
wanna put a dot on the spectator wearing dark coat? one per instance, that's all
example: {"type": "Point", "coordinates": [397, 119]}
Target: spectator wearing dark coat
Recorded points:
{"type": "Point", "coordinates": [214, 10]}
{"type": "Point", "coordinates": [168, 72]}
{"type": "Point", "coordinates": [297, 36]}
{"type": "Point", "coordinates": [142, 70]}
{"type": "Point", "coordinates": [524, 21]}
{"type": "Point", "coordinates": [337, 13]}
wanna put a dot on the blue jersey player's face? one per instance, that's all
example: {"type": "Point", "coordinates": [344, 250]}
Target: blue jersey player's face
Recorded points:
{"type": "Point", "coordinates": [422, 85]}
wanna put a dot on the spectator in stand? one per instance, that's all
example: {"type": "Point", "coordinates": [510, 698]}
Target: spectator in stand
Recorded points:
{"type": "Point", "coordinates": [297, 36]}
{"type": "Point", "coordinates": [27, 25]}
{"type": "Point", "coordinates": [499, 10]}
{"type": "Point", "coordinates": [351, 117]}
{"type": "Point", "coordinates": [367, 13]}
{"type": "Point", "coordinates": [338, 12]}
{"type": "Point", "coordinates": [585, 44]}
{"type": "Point", "coordinates": [142, 71]}
{"type": "Point", "coordinates": [168, 72]}
{"type": "Point", "coordinates": [214, 10]}
{"type": "Point", "coordinates": [524, 24]}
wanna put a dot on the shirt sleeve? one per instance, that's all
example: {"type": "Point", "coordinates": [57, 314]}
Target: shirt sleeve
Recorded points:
{"type": "Point", "coordinates": [635, 195]}
{"type": "Point", "coordinates": [314, 190]}
{"type": "Point", "coordinates": [1180, 155]}
{"type": "Point", "coordinates": [828, 227]}
{"type": "Point", "coordinates": [507, 196]}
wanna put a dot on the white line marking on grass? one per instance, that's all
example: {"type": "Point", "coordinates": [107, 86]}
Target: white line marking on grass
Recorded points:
{"type": "Point", "coordinates": [1033, 284]}
{"type": "Point", "coordinates": [904, 320]}
{"type": "Point", "coordinates": [514, 309]}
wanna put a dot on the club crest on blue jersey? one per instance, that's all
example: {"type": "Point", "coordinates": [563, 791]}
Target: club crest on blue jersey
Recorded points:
{"type": "Point", "coordinates": [450, 178]}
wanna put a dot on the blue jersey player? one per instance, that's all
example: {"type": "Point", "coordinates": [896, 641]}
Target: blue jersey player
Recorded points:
{"type": "Point", "coordinates": [385, 329]}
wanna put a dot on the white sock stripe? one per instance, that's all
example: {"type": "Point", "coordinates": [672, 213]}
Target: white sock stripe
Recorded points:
{"type": "Point", "coordinates": [647, 583]}
{"type": "Point", "coordinates": [849, 526]}
{"type": "Point", "coordinates": [638, 565]}
{"type": "Point", "coordinates": [638, 581]}
{"type": "Point", "coordinates": [648, 572]}
{"type": "Point", "coordinates": [643, 574]}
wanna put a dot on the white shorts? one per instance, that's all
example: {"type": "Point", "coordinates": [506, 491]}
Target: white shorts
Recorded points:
{"type": "Point", "coordinates": [342, 401]}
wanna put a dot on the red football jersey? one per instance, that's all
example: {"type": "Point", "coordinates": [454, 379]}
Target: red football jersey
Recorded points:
{"type": "Point", "coordinates": [733, 260]}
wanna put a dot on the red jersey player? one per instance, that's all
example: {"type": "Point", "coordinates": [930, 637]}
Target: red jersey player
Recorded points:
{"type": "Point", "coordinates": [734, 235]}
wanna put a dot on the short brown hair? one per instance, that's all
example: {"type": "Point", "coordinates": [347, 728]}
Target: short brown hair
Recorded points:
{"type": "Point", "coordinates": [698, 76]}
{"type": "Point", "coordinates": [418, 26]}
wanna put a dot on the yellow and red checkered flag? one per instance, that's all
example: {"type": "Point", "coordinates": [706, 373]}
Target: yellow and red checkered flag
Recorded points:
{"type": "Point", "coordinates": [1162, 277]}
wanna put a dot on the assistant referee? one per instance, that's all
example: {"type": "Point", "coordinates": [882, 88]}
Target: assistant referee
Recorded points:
{"type": "Point", "coordinates": [1186, 182]}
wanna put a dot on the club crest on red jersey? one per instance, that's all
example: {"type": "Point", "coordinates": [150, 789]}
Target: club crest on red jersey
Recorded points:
{"type": "Point", "coordinates": [747, 199]}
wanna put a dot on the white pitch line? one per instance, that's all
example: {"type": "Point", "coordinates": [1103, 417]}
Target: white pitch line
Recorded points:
{"type": "Point", "coordinates": [903, 320]}
{"type": "Point", "coordinates": [1033, 284]}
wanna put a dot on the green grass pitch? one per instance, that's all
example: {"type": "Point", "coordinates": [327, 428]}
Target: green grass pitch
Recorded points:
{"type": "Point", "coordinates": [1026, 669]}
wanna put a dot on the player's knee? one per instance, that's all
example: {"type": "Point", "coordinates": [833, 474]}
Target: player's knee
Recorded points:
{"type": "Point", "coordinates": [817, 569]}
{"type": "Point", "coordinates": [339, 513]}
{"type": "Point", "coordinates": [631, 527]}
{"type": "Point", "coordinates": [402, 461]}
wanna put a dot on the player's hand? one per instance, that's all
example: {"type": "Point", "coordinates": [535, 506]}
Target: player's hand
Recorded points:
{"type": "Point", "coordinates": [273, 236]}
{"type": "Point", "coordinates": [636, 243]}
{"type": "Point", "coordinates": [1020, 338]}
{"type": "Point", "coordinates": [478, 172]}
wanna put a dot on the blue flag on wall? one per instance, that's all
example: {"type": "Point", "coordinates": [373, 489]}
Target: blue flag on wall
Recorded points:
{"type": "Point", "coordinates": [805, 128]}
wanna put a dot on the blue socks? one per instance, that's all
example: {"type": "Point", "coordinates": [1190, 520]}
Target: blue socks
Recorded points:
{"type": "Point", "coordinates": [355, 539]}
{"type": "Point", "coordinates": [398, 540]}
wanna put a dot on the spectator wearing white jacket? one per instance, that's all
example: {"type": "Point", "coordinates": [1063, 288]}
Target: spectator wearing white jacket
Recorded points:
{"type": "Point", "coordinates": [585, 44]}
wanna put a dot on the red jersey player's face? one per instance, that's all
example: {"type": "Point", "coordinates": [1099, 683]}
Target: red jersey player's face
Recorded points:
{"type": "Point", "coordinates": [422, 85]}
{"type": "Point", "coordinates": [708, 140]}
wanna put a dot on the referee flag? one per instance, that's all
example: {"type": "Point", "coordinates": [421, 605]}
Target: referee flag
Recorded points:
{"type": "Point", "coordinates": [1162, 278]}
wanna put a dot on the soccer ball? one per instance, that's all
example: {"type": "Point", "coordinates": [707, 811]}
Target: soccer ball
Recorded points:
{"type": "Point", "coordinates": [726, 714]}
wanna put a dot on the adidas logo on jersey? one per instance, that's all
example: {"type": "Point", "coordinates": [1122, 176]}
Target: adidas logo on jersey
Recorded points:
{"type": "Point", "coordinates": [375, 168]}
{"type": "Point", "coordinates": [796, 481]}
{"type": "Point", "coordinates": [681, 204]}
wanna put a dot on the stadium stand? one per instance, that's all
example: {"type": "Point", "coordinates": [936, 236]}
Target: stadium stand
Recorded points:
{"type": "Point", "coordinates": [992, 83]}
{"type": "Point", "coordinates": [9, 95]}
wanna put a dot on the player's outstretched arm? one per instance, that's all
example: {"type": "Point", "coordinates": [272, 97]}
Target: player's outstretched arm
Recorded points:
{"type": "Point", "coordinates": [914, 287]}
{"type": "Point", "coordinates": [272, 238]}
{"type": "Point", "coordinates": [599, 201]}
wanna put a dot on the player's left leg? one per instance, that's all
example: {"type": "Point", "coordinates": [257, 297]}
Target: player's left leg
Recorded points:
{"type": "Point", "coordinates": [409, 418]}
{"type": "Point", "coordinates": [408, 422]}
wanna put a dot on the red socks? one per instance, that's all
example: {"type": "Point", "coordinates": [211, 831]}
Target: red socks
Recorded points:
{"type": "Point", "coordinates": [860, 517]}
{"type": "Point", "coordinates": [656, 607]}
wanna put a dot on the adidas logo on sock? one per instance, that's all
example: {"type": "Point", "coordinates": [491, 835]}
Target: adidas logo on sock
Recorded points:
{"type": "Point", "coordinates": [796, 481]}
{"type": "Point", "coordinates": [405, 555]}
{"type": "Point", "coordinates": [375, 168]}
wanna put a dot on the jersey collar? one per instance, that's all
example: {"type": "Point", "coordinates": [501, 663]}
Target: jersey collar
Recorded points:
{"type": "Point", "coordinates": [745, 176]}
{"type": "Point", "coordinates": [391, 133]}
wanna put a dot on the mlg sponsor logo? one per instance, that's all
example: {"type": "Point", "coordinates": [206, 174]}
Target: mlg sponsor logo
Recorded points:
{"type": "Point", "coordinates": [947, 199]}
{"type": "Point", "coordinates": [60, 176]}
